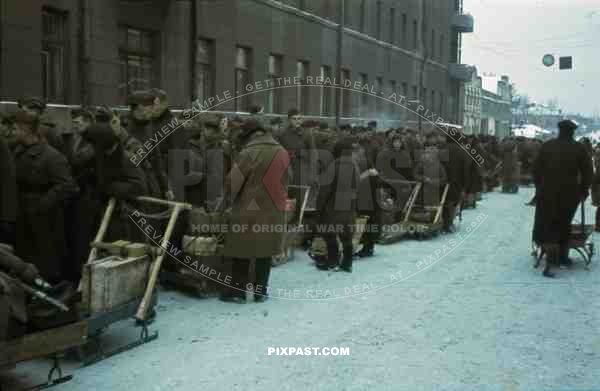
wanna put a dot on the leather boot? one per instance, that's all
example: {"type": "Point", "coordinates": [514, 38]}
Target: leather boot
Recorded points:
{"type": "Point", "coordinates": [563, 256]}
{"type": "Point", "coordinates": [552, 259]}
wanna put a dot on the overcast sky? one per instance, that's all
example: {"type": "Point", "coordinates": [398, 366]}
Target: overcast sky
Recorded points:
{"type": "Point", "coordinates": [511, 37]}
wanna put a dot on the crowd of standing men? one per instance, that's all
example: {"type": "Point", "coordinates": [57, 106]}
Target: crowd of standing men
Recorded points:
{"type": "Point", "coordinates": [56, 182]}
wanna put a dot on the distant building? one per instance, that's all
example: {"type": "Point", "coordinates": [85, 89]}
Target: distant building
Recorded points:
{"type": "Point", "coordinates": [492, 108]}
{"type": "Point", "coordinates": [472, 105]}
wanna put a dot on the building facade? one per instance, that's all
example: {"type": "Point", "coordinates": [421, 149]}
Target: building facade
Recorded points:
{"type": "Point", "coordinates": [96, 52]}
{"type": "Point", "coordinates": [488, 106]}
{"type": "Point", "coordinates": [496, 114]}
{"type": "Point", "coordinates": [472, 105]}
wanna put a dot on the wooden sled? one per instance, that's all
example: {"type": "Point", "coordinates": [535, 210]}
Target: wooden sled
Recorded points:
{"type": "Point", "coordinates": [425, 222]}
{"type": "Point", "coordinates": [51, 343]}
{"type": "Point", "coordinates": [127, 304]}
{"type": "Point", "coordinates": [205, 248]}
{"type": "Point", "coordinates": [318, 249]}
{"type": "Point", "coordinates": [295, 231]}
{"type": "Point", "coordinates": [391, 233]}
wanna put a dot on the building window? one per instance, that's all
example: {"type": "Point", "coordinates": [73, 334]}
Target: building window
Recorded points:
{"type": "Point", "coordinates": [328, 11]}
{"type": "Point", "coordinates": [363, 15]}
{"type": "Point", "coordinates": [326, 92]}
{"type": "Point", "coordinates": [441, 48]}
{"type": "Point", "coordinates": [379, 20]}
{"type": "Point", "coordinates": [432, 104]}
{"type": "Point", "coordinates": [432, 44]}
{"type": "Point", "coordinates": [53, 55]}
{"type": "Point", "coordinates": [378, 100]}
{"type": "Point", "coordinates": [302, 4]}
{"type": "Point", "coordinates": [274, 93]}
{"type": "Point", "coordinates": [403, 101]}
{"type": "Point", "coordinates": [415, 96]}
{"type": "Point", "coordinates": [363, 105]}
{"type": "Point", "coordinates": [393, 110]}
{"type": "Point", "coordinates": [346, 104]}
{"type": "Point", "coordinates": [137, 58]}
{"type": "Point", "coordinates": [441, 105]}
{"type": "Point", "coordinates": [392, 25]}
{"type": "Point", "coordinates": [205, 70]}
{"type": "Point", "coordinates": [242, 78]}
{"type": "Point", "coordinates": [302, 91]}
{"type": "Point", "coordinates": [404, 30]}
{"type": "Point", "coordinates": [415, 35]}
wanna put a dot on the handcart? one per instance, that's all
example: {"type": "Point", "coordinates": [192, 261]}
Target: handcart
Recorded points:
{"type": "Point", "coordinates": [580, 240]}
{"type": "Point", "coordinates": [119, 282]}
{"type": "Point", "coordinates": [395, 231]}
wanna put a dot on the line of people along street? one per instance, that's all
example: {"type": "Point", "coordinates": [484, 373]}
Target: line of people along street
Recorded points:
{"type": "Point", "coordinates": [56, 182]}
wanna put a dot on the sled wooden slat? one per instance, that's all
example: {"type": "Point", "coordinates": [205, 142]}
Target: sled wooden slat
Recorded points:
{"type": "Point", "coordinates": [44, 343]}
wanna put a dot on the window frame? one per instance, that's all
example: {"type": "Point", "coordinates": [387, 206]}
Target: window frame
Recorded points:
{"type": "Point", "coordinates": [326, 93]}
{"type": "Point", "coordinates": [242, 103]}
{"type": "Point", "coordinates": [55, 82]}
{"type": "Point", "coordinates": [148, 58]}
{"type": "Point", "coordinates": [302, 90]}
{"type": "Point", "coordinates": [209, 67]}
{"type": "Point", "coordinates": [363, 101]}
{"type": "Point", "coordinates": [274, 94]}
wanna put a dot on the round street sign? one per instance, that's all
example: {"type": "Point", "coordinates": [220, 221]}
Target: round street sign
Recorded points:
{"type": "Point", "coordinates": [548, 60]}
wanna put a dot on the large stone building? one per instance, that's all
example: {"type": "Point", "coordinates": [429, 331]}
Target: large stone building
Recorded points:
{"type": "Point", "coordinates": [95, 52]}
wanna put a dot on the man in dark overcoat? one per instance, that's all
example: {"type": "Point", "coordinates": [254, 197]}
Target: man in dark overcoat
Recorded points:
{"type": "Point", "coordinates": [115, 176]}
{"type": "Point", "coordinates": [562, 175]}
{"type": "Point", "coordinates": [457, 164]}
{"type": "Point", "coordinates": [337, 205]}
{"type": "Point", "coordinates": [258, 180]}
{"type": "Point", "coordinates": [304, 162]}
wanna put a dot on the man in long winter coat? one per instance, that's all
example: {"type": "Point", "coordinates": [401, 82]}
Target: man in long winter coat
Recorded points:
{"type": "Point", "coordinates": [304, 162]}
{"type": "Point", "coordinates": [457, 166]}
{"type": "Point", "coordinates": [259, 178]}
{"type": "Point", "coordinates": [337, 205]}
{"type": "Point", "coordinates": [44, 184]}
{"type": "Point", "coordinates": [562, 175]}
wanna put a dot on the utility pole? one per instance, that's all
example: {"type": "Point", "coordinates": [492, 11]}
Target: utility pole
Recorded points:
{"type": "Point", "coordinates": [338, 91]}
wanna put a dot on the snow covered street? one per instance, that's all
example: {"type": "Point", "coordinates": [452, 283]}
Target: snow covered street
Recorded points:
{"type": "Point", "coordinates": [457, 312]}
